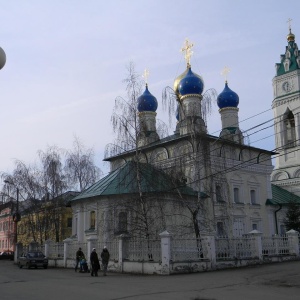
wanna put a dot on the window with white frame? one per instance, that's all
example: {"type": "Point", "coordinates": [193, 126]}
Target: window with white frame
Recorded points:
{"type": "Point", "coordinates": [236, 195]}
{"type": "Point", "coordinates": [92, 219]}
{"type": "Point", "coordinates": [254, 226]}
{"type": "Point", "coordinates": [253, 199]}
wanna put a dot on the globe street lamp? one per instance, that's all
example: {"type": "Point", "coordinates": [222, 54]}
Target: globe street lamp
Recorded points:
{"type": "Point", "coordinates": [2, 58]}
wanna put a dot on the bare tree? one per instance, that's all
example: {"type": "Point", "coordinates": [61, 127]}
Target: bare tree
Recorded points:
{"type": "Point", "coordinates": [79, 166]}
{"type": "Point", "coordinates": [128, 128]}
{"type": "Point", "coordinates": [40, 186]}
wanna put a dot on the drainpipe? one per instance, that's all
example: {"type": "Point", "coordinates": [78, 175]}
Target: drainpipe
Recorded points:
{"type": "Point", "coordinates": [275, 214]}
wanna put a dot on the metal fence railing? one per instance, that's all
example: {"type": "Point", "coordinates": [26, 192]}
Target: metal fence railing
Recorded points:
{"type": "Point", "coordinates": [235, 248]}
{"type": "Point", "coordinates": [186, 249]}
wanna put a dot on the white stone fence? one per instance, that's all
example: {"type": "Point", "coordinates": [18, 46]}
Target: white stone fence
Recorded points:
{"type": "Point", "coordinates": [168, 255]}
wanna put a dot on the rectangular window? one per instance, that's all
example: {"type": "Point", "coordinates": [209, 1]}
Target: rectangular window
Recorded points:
{"type": "Point", "coordinates": [253, 196]}
{"type": "Point", "coordinates": [218, 194]}
{"type": "Point", "coordinates": [236, 195]}
{"type": "Point", "coordinates": [122, 226]}
{"type": "Point", "coordinates": [221, 229]}
{"type": "Point", "coordinates": [93, 219]}
{"type": "Point", "coordinates": [254, 226]}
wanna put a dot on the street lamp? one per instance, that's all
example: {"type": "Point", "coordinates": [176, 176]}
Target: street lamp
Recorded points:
{"type": "Point", "coordinates": [16, 215]}
{"type": "Point", "coordinates": [2, 58]}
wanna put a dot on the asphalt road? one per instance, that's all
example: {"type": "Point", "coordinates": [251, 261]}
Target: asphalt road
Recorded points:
{"type": "Point", "coordinates": [273, 281]}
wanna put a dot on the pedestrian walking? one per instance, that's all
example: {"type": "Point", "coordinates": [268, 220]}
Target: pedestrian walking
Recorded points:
{"type": "Point", "coordinates": [95, 265]}
{"type": "Point", "coordinates": [105, 259]}
{"type": "Point", "coordinates": [79, 256]}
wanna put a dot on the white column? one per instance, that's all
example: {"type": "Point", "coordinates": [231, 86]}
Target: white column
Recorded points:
{"type": "Point", "coordinates": [165, 252]}
{"type": "Point", "coordinates": [66, 244]}
{"type": "Point", "coordinates": [209, 249]}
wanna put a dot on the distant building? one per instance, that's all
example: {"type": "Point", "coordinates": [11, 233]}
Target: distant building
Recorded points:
{"type": "Point", "coordinates": [45, 220]}
{"type": "Point", "coordinates": [7, 227]}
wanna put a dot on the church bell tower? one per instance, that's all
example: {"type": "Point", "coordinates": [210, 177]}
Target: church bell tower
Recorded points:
{"type": "Point", "coordinates": [286, 108]}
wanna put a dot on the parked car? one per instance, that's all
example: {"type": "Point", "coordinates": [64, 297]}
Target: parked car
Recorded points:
{"type": "Point", "coordinates": [7, 255]}
{"type": "Point", "coordinates": [33, 259]}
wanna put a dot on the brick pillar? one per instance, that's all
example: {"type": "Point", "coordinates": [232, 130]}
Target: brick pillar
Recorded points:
{"type": "Point", "coordinates": [257, 243]}
{"type": "Point", "coordinates": [165, 252]}
{"type": "Point", "coordinates": [47, 248]}
{"type": "Point", "coordinates": [293, 242]}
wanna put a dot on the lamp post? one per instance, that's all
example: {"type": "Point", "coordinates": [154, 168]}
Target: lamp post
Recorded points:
{"type": "Point", "coordinates": [2, 58]}
{"type": "Point", "coordinates": [16, 215]}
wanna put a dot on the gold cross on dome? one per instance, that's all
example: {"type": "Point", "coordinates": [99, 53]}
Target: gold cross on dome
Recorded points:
{"type": "Point", "coordinates": [146, 75]}
{"type": "Point", "coordinates": [187, 50]}
{"type": "Point", "coordinates": [225, 72]}
{"type": "Point", "coordinates": [289, 21]}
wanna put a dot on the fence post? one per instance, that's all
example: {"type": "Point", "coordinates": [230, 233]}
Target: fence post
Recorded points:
{"type": "Point", "coordinates": [257, 235]}
{"type": "Point", "coordinates": [47, 248]}
{"type": "Point", "coordinates": [165, 252]}
{"type": "Point", "coordinates": [91, 243]}
{"type": "Point", "coordinates": [66, 244]}
{"type": "Point", "coordinates": [122, 253]}
{"type": "Point", "coordinates": [209, 249]}
{"type": "Point", "coordinates": [293, 242]}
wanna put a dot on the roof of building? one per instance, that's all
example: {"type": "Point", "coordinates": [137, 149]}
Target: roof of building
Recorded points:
{"type": "Point", "coordinates": [176, 137]}
{"type": "Point", "coordinates": [124, 181]}
{"type": "Point", "coordinates": [281, 196]}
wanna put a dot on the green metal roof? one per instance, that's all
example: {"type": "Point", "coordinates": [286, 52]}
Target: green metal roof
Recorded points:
{"type": "Point", "coordinates": [281, 196]}
{"type": "Point", "coordinates": [124, 181]}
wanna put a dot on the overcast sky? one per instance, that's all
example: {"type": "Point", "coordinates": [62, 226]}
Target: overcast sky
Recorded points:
{"type": "Point", "coordinates": [66, 61]}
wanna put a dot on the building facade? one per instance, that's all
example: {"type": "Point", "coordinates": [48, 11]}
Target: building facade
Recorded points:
{"type": "Point", "coordinates": [7, 227]}
{"type": "Point", "coordinates": [234, 177]}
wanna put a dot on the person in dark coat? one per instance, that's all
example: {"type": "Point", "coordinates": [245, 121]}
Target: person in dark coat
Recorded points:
{"type": "Point", "coordinates": [79, 256]}
{"type": "Point", "coordinates": [94, 262]}
{"type": "Point", "coordinates": [105, 259]}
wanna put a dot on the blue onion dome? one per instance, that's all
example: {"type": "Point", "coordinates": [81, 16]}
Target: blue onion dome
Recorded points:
{"type": "Point", "coordinates": [181, 76]}
{"type": "Point", "coordinates": [228, 98]}
{"type": "Point", "coordinates": [146, 102]}
{"type": "Point", "coordinates": [190, 84]}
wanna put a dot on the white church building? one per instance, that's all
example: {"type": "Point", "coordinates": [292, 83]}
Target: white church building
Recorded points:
{"type": "Point", "coordinates": [191, 180]}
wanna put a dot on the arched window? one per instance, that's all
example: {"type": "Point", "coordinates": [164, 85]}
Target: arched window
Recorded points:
{"type": "Point", "coordinates": [290, 132]}
{"type": "Point", "coordinates": [93, 219]}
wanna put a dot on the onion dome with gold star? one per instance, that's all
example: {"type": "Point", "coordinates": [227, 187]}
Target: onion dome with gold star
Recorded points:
{"type": "Point", "coordinates": [147, 102]}
{"type": "Point", "coordinates": [227, 98]}
{"type": "Point", "coordinates": [190, 84]}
